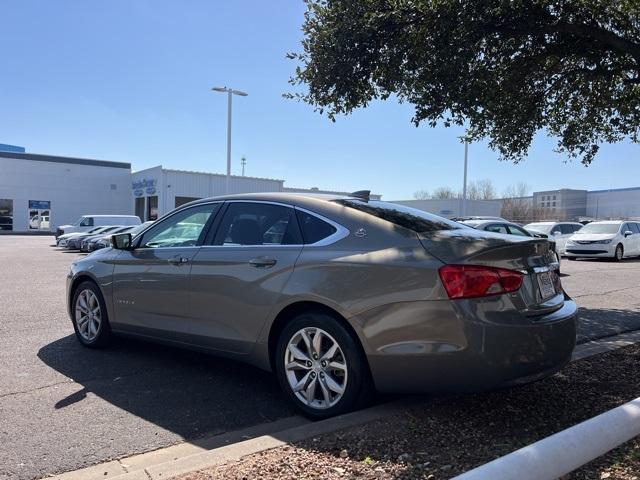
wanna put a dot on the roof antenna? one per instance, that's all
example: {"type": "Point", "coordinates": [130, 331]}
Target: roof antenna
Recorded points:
{"type": "Point", "coordinates": [362, 195]}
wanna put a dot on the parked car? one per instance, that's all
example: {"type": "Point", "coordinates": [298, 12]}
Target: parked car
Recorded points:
{"type": "Point", "coordinates": [509, 228]}
{"type": "Point", "coordinates": [558, 231]}
{"type": "Point", "coordinates": [74, 242]}
{"type": "Point", "coordinates": [354, 294]}
{"type": "Point", "coordinates": [62, 240]}
{"type": "Point", "coordinates": [84, 243]}
{"type": "Point", "coordinates": [87, 222]}
{"type": "Point", "coordinates": [612, 239]}
{"type": "Point", "coordinates": [476, 217]}
{"type": "Point", "coordinates": [101, 241]}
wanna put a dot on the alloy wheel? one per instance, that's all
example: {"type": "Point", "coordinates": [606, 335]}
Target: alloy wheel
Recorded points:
{"type": "Point", "coordinates": [316, 368]}
{"type": "Point", "coordinates": [88, 315]}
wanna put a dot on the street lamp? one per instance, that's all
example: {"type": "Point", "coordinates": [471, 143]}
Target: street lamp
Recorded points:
{"type": "Point", "coordinates": [230, 93]}
{"type": "Point", "coordinates": [465, 139]}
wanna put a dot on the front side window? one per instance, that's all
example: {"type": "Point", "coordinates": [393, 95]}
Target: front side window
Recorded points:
{"type": "Point", "coordinates": [86, 222]}
{"type": "Point", "coordinates": [635, 228]}
{"type": "Point", "coordinates": [407, 217]}
{"type": "Point", "coordinates": [247, 223]}
{"type": "Point", "coordinates": [515, 230]}
{"type": "Point", "coordinates": [496, 228]}
{"type": "Point", "coordinates": [313, 228]}
{"type": "Point", "coordinates": [182, 229]}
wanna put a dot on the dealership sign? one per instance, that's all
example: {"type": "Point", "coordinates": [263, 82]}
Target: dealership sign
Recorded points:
{"type": "Point", "coordinates": [145, 185]}
{"type": "Point", "coordinates": [40, 204]}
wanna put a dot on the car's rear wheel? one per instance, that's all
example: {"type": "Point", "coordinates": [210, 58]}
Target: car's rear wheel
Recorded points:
{"type": "Point", "coordinates": [320, 366]}
{"type": "Point", "coordinates": [619, 253]}
{"type": "Point", "coordinates": [89, 313]}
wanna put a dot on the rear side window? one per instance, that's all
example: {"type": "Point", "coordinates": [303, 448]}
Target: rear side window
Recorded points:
{"type": "Point", "coordinates": [247, 223]}
{"type": "Point", "coordinates": [314, 229]}
{"type": "Point", "coordinates": [565, 228]}
{"type": "Point", "coordinates": [407, 217]}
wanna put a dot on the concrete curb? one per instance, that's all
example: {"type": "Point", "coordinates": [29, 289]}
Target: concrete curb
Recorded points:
{"type": "Point", "coordinates": [176, 460]}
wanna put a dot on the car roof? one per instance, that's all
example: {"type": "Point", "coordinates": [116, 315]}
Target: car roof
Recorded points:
{"type": "Point", "coordinates": [609, 222]}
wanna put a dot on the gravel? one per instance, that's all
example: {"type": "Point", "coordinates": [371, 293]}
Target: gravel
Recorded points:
{"type": "Point", "coordinates": [446, 436]}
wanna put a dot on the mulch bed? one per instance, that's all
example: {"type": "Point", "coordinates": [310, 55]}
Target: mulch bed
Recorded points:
{"type": "Point", "coordinates": [446, 436]}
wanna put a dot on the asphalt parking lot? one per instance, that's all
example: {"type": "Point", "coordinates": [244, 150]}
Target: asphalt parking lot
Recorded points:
{"type": "Point", "coordinates": [63, 407]}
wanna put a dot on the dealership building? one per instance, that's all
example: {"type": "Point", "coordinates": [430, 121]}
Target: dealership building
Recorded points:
{"type": "Point", "coordinates": [41, 192]}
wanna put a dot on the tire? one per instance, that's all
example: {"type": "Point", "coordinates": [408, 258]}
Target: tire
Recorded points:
{"type": "Point", "coordinates": [95, 331]}
{"type": "Point", "coordinates": [352, 376]}
{"type": "Point", "coordinates": [618, 255]}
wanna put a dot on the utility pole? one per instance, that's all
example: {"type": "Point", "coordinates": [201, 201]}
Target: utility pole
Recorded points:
{"type": "Point", "coordinates": [465, 139]}
{"type": "Point", "coordinates": [243, 162]}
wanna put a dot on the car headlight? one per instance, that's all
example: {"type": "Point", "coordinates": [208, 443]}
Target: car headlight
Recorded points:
{"type": "Point", "coordinates": [603, 242]}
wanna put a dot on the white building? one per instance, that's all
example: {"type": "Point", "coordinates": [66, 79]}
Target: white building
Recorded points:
{"type": "Point", "coordinates": [39, 192]}
{"type": "Point", "coordinates": [452, 207]}
{"type": "Point", "coordinates": [157, 190]}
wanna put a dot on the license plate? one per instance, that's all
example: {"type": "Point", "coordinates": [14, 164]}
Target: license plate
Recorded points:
{"type": "Point", "coordinates": [545, 282]}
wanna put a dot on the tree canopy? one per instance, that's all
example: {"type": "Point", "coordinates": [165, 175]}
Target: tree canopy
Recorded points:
{"type": "Point", "coordinates": [506, 69]}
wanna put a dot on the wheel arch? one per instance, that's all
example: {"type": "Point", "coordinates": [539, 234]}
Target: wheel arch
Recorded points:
{"type": "Point", "coordinates": [289, 312]}
{"type": "Point", "coordinates": [83, 277]}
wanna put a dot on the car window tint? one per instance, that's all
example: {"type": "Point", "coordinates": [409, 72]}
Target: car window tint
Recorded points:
{"type": "Point", "coordinates": [247, 223]}
{"type": "Point", "coordinates": [514, 230]}
{"type": "Point", "coordinates": [313, 228]}
{"type": "Point", "coordinates": [576, 228]}
{"type": "Point", "coordinates": [407, 217]}
{"type": "Point", "coordinates": [635, 228]}
{"type": "Point", "coordinates": [565, 228]}
{"type": "Point", "coordinates": [87, 222]}
{"type": "Point", "coordinates": [626, 227]}
{"type": "Point", "coordinates": [496, 228]}
{"type": "Point", "coordinates": [182, 229]}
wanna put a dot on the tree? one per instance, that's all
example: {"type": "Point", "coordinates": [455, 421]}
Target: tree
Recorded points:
{"type": "Point", "coordinates": [481, 190]}
{"type": "Point", "coordinates": [444, 193]}
{"type": "Point", "coordinates": [505, 69]}
{"type": "Point", "coordinates": [518, 206]}
{"type": "Point", "coordinates": [421, 195]}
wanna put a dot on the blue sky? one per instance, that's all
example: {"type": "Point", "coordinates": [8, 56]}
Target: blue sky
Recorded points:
{"type": "Point", "coordinates": [129, 81]}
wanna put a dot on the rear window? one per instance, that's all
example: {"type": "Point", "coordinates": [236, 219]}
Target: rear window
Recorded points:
{"type": "Point", "coordinates": [406, 217]}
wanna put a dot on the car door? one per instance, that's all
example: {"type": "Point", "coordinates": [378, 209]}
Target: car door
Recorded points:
{"type": "Point", "coordinates": [565, 230]}
{"type": "Point", "coordinates": [635, 228]}
{"type": "Point", "coordinates": [238, 275]}
{"type": "Point", "coordinates": [151, 281]}
{"type": "Point", "coordinates": [630, 242]}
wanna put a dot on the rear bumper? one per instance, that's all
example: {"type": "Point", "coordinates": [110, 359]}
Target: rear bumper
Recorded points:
{"type": "Point", "coordinates": [490, 356]}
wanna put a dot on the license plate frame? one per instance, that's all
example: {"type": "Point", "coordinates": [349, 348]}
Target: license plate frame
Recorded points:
{"type": "Point", "coordinates": [546, 285]}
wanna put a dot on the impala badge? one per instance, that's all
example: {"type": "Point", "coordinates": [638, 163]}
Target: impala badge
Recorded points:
{"type": "Point", "coordinates": [361, 232]}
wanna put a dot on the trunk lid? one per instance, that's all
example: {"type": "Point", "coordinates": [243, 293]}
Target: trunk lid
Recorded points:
{"type": "Point", "coordinates": [541, 290]}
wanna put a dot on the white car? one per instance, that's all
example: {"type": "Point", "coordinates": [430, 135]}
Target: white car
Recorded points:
{"type": "Point", "coordinates": [559, 232]}
{"type": "Point", "coordinates": [611, 239]}
{"type": "Point", "coordinates": [87, 222]}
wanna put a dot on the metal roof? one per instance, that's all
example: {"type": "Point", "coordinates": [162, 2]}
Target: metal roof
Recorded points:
{"type": "Point", "coordinates": [36, 157]}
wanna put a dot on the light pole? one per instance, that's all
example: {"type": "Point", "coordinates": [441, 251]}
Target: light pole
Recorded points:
{"type": "Point", "coordinates": [465, 139]}
{"type": "Point", "coordinates": [230, 93]}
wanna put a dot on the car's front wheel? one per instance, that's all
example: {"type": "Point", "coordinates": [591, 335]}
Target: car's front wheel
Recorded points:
{"type": "Point", "coordinates": [89, 316]}
{"type": "Point", "coordinates": [320, 366]}
{"type": "Point", "coordinates": [619, 253]}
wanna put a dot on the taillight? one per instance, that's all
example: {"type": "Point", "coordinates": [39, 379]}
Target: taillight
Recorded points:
{"type": "Point", "coordinates": [472, 281]}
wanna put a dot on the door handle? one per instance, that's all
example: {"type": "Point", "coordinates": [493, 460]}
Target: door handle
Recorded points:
{"type": "Point", "coordinates": [263, 262]}
{"type": "Point", "coordinates": [178, 260]}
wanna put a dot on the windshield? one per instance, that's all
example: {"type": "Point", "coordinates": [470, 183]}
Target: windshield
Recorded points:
{"type": "Point", "coordinates": [540, 227]}
{"type": "Point", "coordinates": [599, 228]}
{"type": "Point", "coordinates": [406, 217]}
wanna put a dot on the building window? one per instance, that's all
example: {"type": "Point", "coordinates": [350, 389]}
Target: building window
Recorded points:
{"type": "Point", "coordinates": [554, 203]}
{"type": "Point", "coordinates": [6, 214]}
{"type": "Point", "coordinates": [139, 207]}
{"type": "Point", "coordinates": [152, 208]}
{"type": "Point", "coordinates": [182, 200]}
{"type": "Point", "coordinates": [554, 197]}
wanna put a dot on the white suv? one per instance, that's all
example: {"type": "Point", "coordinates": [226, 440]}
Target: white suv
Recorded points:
{"type": "Point", "coordinates": [613, 239]}
{"type": "Point", "coordinates": [559, 232]}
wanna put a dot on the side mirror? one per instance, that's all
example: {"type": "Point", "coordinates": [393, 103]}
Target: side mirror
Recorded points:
{"type": "Point", "coordinates": [121, 241]}
{"type": "Point", "coordinates": [627, 233]}
{"type": "Point", "coordinates": [556, 232]}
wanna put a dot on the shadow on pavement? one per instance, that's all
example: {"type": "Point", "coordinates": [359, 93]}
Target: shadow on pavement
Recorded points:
{"type": "Point", "coordinates": [185, 392]}
{"type": "Point", "coordinates": [597, 323]}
